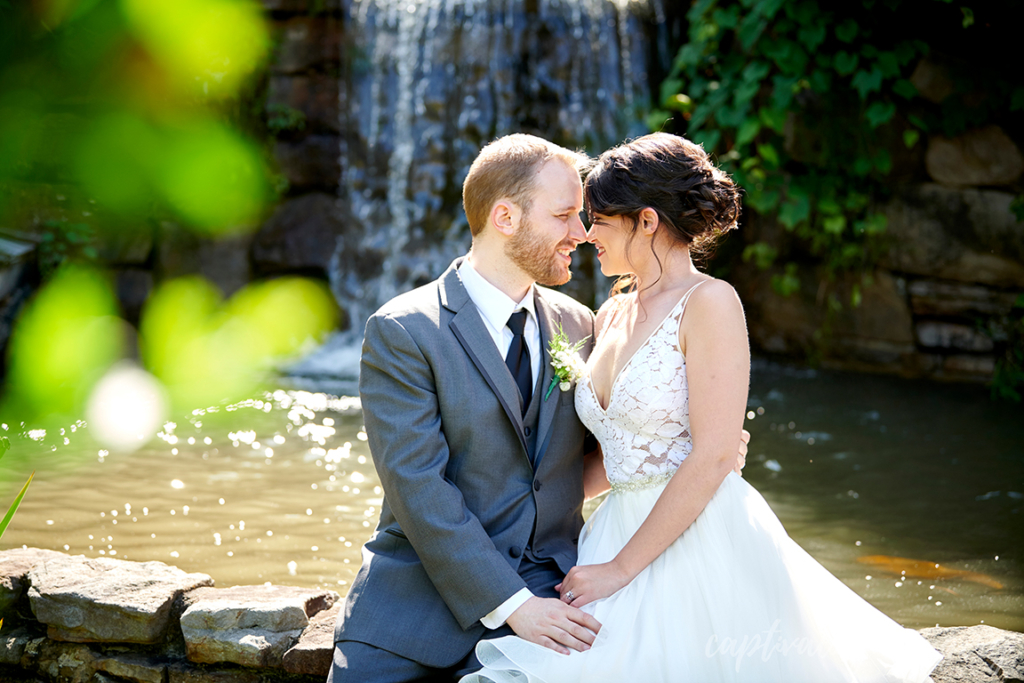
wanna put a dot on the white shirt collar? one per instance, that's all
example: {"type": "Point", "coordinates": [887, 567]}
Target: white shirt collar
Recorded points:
{"type": "Point", "coordinates": [494, 305]}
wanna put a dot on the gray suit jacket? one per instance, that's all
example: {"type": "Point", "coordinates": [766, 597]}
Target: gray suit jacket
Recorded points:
{"type": "Point", "coordinates": [461, 499]}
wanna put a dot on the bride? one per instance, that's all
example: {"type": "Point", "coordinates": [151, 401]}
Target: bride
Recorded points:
{"type": "Point", "coordinates": [685, 565]}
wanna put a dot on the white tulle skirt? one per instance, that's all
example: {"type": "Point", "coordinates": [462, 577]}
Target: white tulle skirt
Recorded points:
{"type": "Point", "coordinates": [733, 599]}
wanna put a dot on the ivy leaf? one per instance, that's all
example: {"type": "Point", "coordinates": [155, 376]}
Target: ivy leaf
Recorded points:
{"type": "Point", "coordinates": [795, 211]}
{"type": "Point", "coordinates": [657, 119]}
{"type": "Point", "coordinates": [829, 206]}
{"type": "Point", "coordinates": [834, 225]}
{"type": "Point", "coordinates": [879, 113]}
{"type": "Point", "coordinates": [875, 223]}
{"type": "Point", "coordinates": [867, 82]}
{"type": "Point", "coordinates": [904, 89]}
{"type": "Point", "coordinates": [708, 138]}
{"type": "Point", "coordinates": [846, 63]}
{"type": "Point", "coordinates": [786, 283]}
{"type": "Point", "coordinates": [968, 16]}
{"type": "Point", "coordinates": [745, 92]}
{"type": "Point", "coordinates": [888, 64]}
{"type": "Point", "coordinates": [910, 138]}
{"type": "Point", "coordinates": [773, 118]}
{"type": "Point", "coordinates": [782, 91]}
{"type": "Point", "coordinates": [769, 8]}
{"type": "Point", "coordinates": [883, 161]}
{"type": "Point", "coordinates": [762, 254]}
{"type": "Point", "coordinates": [762, 201]}
{"type": "Point", "coordinates": [769, 155]}
{"type": "Point", "coordinates": [755, 72]}
{"type": "Point", "coordinates": [726, 18]}
{"type": "Point", "coordinates": [847, 31]}
{"type": "Point", "coordinates": [812, 36]}
{"type": "Point", "coordinates": [750, 30]}
{"type": "Point", "coordinates": [748, 131]}
{"type": "Point", "coordinates": [917, 121]}
{"type": "Point", "coordinates": [904, 52]}
{"type": "Point", "coordinates": [821, 81]}
{"type": "Point", "coordinates": [670, 87]}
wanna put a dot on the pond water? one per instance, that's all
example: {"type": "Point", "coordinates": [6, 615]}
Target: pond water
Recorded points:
{"type": "Point", "coordinates": [862, 470]}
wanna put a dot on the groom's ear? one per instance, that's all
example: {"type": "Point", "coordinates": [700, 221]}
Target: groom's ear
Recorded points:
{"type": "Point", "coordinates": [505, 217]}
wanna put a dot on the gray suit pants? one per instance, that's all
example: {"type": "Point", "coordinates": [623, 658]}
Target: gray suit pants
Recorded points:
{"type": "Point", "coordinates": [356, 662]}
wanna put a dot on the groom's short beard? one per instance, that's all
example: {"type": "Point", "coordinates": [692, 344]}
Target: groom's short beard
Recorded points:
{"type": "Point", "coordinates": [540, 261]}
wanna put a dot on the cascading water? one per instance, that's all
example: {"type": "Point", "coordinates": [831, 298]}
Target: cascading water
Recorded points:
{"type": "Point", "coordinates": [427, 83]}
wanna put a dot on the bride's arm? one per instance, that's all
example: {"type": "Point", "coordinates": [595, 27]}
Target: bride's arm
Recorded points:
{"type": "Point", "coordinates": [713, 336]}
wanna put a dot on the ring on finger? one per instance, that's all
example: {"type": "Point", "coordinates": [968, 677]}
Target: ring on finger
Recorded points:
{"type": "Point", "coordinates": [569, 596]}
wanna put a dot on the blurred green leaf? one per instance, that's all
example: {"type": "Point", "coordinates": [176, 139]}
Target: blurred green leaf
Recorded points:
{"type": "Point", "coordinates": [879, 113]}
{"type": "Point", "coordinates": [66, 337]}
{"type": "Point", "coordinates": [904, 89]}
{"type": "Point", "coordinates": [787, 282]}
{"type": "Point", "coordinates": [910, 138]}
{"type": "Point", "coordinates": [968, 16]}
{"type": "Point", "coordinates": [748, 131]}
{"type": "Point", "coordinates": [847, 31]}
{"type": "Point", "coordinates": [867, 82]}
{"type": "Point", "coordinates": [846, 63]}
{"type": "Point", "coordinates": [769, 155]}
{"type": "Point", "coordinates": [762, 254]}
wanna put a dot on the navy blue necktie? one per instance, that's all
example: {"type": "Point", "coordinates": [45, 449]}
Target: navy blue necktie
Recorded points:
{"type": "Point", "coordinates": [518, 358]}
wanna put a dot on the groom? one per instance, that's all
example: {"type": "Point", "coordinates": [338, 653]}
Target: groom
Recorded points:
{"type": "Point", "coordinates": [482, 469]}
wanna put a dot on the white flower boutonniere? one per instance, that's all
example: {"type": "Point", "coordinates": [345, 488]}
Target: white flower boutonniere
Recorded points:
{"type": "Point", "coordinates": [566, 361]}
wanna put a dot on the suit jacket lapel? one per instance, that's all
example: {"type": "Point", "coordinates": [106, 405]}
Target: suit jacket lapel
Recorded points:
{"type": "Point", "coordinates": [549, 321]}
{"type": "Point", "coordinates": [469, 329]}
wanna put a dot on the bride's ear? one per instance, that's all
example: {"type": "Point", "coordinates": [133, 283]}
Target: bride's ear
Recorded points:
{"type": "Point", "coordinates": [648, 221]}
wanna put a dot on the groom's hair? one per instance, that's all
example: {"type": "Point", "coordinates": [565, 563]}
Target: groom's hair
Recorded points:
{"type": "Point", "coordinates": [506, 169]}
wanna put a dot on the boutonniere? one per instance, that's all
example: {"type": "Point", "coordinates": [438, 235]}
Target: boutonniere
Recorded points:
{"type": "Point", "coordinates": [566, 361]}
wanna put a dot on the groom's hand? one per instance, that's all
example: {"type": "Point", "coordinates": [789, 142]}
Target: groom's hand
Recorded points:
{"type": "Point", "coordinates": [554, 624]}
{"type": "Point", "coordinates": [741, 459]}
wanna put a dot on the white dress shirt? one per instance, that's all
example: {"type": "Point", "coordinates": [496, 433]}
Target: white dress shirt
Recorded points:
{"type": "Point", "coordinates": [495, 307]}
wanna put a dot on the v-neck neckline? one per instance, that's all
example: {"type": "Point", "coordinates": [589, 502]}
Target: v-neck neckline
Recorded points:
{"type": "Point", "coordinates": [622, 370]}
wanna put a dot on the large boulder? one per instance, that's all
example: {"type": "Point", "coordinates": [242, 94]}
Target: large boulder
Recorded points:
{"type": "Point", "coordinates": [962, 235]}
{"type": "Point", "coordinates": [248, 625]}
{"type": "Point", "coordinates": [84, 599]}
{"type": "Point", "coordinates": [977, 654]}
{"type": "Point", "coordinates": [984, 156]}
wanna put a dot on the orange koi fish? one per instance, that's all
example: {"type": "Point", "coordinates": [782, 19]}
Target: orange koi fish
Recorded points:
{"type": "Point", "coordinates": [923, 569]}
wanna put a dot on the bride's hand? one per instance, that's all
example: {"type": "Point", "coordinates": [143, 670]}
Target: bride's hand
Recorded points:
{"type": "Point", "coordinates": [583, 585]}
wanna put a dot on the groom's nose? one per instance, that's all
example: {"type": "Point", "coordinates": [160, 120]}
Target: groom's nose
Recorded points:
{"type": "Point", "coordinates": [577, 231]}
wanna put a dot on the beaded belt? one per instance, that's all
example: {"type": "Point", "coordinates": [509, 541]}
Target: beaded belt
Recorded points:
{"type": "Point", "coordinates": [640, 484]}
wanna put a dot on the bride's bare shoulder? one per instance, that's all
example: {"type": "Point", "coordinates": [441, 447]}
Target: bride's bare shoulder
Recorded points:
{"type": "Point", "coordinates": [607, 311]}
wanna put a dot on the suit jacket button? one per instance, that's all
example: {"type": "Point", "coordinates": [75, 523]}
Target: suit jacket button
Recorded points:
{"type": "Point", "coordinates": [536, 485]}
{"type": "Point", "coordinates": [514, 551]}
{"type": "Point", "coordinates": [528, 431]}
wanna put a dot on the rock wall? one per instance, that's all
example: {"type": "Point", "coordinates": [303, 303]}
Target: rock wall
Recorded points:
{"type": "Point", "coordinates": [80, 620]}
{"type": "Point", "coordinates": [950, 275]}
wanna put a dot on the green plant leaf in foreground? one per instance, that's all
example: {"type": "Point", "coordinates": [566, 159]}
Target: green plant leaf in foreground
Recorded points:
{"type": "Point", "coordinates": [14, 506]}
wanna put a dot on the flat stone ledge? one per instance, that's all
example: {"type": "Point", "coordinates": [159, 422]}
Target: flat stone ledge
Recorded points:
{"type": "Point", "coordinates": [104, 600]}
{"type": "Point", "coordinates": [249, 625]}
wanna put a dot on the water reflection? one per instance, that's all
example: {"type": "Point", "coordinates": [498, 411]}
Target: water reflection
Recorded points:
{"type": "Point", "coordinates": [280, 488]}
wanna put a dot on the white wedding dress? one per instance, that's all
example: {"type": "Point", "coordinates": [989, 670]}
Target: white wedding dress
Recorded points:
{"type": "Point", "coordinates": [732, 599]}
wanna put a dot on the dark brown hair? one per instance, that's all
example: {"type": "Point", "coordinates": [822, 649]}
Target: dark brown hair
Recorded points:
{"type": "Point", "coordinates": [695, 201]}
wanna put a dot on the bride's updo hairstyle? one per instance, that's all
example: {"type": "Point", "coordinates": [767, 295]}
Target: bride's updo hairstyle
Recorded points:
{"type": "Point", "coordinates": [695, 201]}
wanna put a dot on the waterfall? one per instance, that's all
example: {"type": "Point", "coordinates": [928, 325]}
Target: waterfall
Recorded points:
{"type": "Point", "coordinates": [425, 85]}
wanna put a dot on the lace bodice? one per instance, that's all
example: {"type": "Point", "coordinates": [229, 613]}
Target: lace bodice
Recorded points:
{"type": "Point", "coordinates": [645, 431]}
